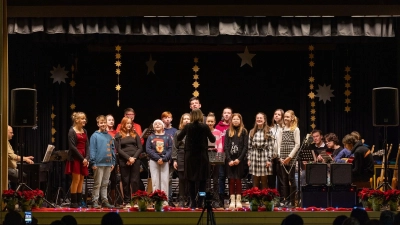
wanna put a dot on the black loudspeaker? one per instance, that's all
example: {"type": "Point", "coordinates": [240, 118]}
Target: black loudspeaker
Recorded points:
{"type": "Point", "coordinates": [343, 196]}
{"type": "Point", "coordinates": [316, 174]}
{"type": "Point", "coordinates": [341, 174]}
{"type": "Point", "coordinates": [23, 107]}
{"type": "Point", "coordinates": [385, 106]}
{"type": "Point", "coordinates": [314, 196]}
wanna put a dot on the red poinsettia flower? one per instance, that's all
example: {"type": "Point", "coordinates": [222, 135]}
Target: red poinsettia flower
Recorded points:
{"type": "Point", "coordinates": [269, 194]}
{"type": "Point", "coordinates": [363, 195]}
{"type": "Point", "coordinates": [158, 195]}
{"type": "Point", "coordinates": [140, 195]}
{"type": "Point", "coordinates": [392, 195]}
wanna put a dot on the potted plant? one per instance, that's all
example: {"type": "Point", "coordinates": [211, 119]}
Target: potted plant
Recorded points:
{"type": "Point", "coordinates": [10, 199]}
{"type": "Point", "coordinates": [363, 197]}
{"type": "Point", "coordinates": [253, 196]}
{"type": "Point", "coordinates": [376, 197]}
{"type": "Point", "coordinates": [392, 198]}
{"type": "Point", "coordinates": [269, 196]}
{"type": "Point", "coordinates": [141, 198]}
{"type": "Point", "coordinates": [158, 197]}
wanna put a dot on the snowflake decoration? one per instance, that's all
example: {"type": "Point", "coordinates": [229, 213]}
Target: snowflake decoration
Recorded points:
{"type": "Point", "coordinates": [59, 74]}
{"type": "Point", "coordinates": [35, 127]}
{"type": "Point", "coordinates": [324, 93]}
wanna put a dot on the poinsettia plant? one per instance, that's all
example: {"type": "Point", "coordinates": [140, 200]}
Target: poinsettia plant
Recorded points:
{"type": "Point", "coordinates": [252, 194]}
{"type": "Point", "coordinates": [269, 194]}
{"type": "Point", "coordinates": [363, 195]}
{"type": "Point", "coordinates": [377, 196]}
{"type": "Point", "coordinates": [158, 195]}
{"type": "Point", "coordinates": [9, 195]}
{"type": "Point", "coordinates": [140, 195]}
{"type": "Point", "coordinates": [392, 195]}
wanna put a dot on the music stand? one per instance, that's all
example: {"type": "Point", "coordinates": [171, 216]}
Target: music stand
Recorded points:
{"type": "Point", "coordinates": [59, 156]}
{"type": "Point", "coordinates": [147, 132]}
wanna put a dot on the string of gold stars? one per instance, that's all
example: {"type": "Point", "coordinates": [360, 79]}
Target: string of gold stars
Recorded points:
{"type": "Point", "coordinates": [347, 92]}
{"type": "Point", "coordinates": [118, 64]}
{"type": "Point", "coordinates": [311, 79]}
{"type": "Point", "coordinates": [53, 130]}
{"type": "Point", "coordinates": [73, 83]}
{"type": "Point", "coordinates": [196, 84]}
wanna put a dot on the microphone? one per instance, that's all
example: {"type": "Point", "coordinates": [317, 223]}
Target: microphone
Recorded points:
{"type": "Point", "coordinates": [306, 139]}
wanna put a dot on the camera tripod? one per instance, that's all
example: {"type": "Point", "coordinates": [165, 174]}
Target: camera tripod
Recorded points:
{"type": "Point", "coordinates": [210, 213]}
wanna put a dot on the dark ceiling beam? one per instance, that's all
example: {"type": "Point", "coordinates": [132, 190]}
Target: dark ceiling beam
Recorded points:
{"type": "Point", "coordinates": [201, 10]}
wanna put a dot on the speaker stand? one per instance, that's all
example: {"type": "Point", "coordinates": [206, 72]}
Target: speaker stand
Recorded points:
{"type": "Point", "coordinates": [385, 184]}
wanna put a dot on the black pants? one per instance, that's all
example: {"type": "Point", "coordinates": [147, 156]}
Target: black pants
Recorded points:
{"type": "Point", "coordinates": [130, 177]}
{"type": "Point", "coordinates": [193, 192]}
{"type": "Point", "coordinates": [286, 181]}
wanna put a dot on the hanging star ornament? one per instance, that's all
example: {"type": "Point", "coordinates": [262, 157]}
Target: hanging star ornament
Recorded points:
{"type": "Point", "coordinates": [150, 65]}
{"type": "Point", "coordinates": [59, 74]}
{"type": "Point", "coordinates": [246, 57]}
{"type": "Point", "coordinates": [324, 93]}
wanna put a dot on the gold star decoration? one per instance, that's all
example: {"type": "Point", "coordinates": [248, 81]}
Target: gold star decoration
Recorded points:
{"type": "Point", "coordinates": [347, 93]}
{"type": "Point", "coordinates": [311, 86]}
{"type": "Point", "coordinates": [53, 116]}
{"type": "Point", "coordinates": [118, 87]}
{"type": "Point", "coordinates": [311, 79]}
{"type": "Point", "coordinates": [313, 111]}
{"type": "Point", "coordinates": [196, 93]}
{"type": "Point", "coordinates": [347, 85]}
{"type": "Point", "coordinates": [118, 55]}
{"type": "Point", "coordinates": [312, 126]}
{"type": "Point", "coordinates": [312, 64]}
{"type": "Point", "coordinates": [312, 104]}
{"type": "Point", "coordinates": [196, 68]}
{"type": "Point", "coordinates": [312, 118]}
{"type": "Point", "coordinates": [347, 69]}
{"type": "Point", "coordinates": [118, 63]}
{"type": "Point", "coordinates": [53, 131]}
{"type": "Point", "coordinates": [311, 95]}
{"type": "Point", "coordinates": [347, 101]}
{"type": "Point", "coordinates": [246, 57]}
{"type": "Point", "coordinates": [196, 84]}
{"type": "Point", "coordinates": [311, 48]}
{"type": "Point", "coordinates": [150, 65]}
{"type": "Point", "coordinates": [311, 56]}
{"type": "Point", "coordinates": [118, 71]}
{"type": "Point", "coordinates": [196, 77]}
{"type": "Point", "coordinates": [347, 109]}
{"type": "Point", "coordinates": [196, 60]}
{"type": "Point", "coordinates": [53, 140]}
{"type": "Point", "coordinates": [118, 48]}
{"type": "Point", "coordinates": [347, 77]}
{"type": "Point", "coordinates": [72, 106]}
{"type": "Point", "coordinates": [72, 83]}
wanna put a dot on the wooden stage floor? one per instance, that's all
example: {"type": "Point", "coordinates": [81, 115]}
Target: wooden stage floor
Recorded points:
{"type": "Point", "coordinates": [173, 216]}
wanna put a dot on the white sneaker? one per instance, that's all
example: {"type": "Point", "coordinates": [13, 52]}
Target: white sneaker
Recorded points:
{"type": "Point", "coordinates": [127, 206]}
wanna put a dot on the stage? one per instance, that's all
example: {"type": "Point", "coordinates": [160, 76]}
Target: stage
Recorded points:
{"type": "Point", "coordinates": [170, 215]}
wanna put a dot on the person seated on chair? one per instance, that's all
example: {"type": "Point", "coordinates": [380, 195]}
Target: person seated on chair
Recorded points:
{"type": "Point", "coordinates": [13, 159]}
{"type": "Point", "coordinates": [363, 163]}
{"type": "Point", "coordinates": [338, 152]}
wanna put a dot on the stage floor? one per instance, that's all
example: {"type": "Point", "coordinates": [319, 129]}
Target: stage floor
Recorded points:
{"type": "Point", "coordinates": [177, 216]}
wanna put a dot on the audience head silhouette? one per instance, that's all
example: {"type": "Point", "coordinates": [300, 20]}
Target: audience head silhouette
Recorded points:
{"type": "Point", "coordinates": [13, 218]}
{"type": "Point", "coordinates": [69, 220]}
{"type": "Point", "coordinates": [111, 218]}
{"type": "Point", "coordinates": [293, 219]}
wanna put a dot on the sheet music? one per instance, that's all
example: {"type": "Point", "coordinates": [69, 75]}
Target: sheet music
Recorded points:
{"type": "Point", "coordinates": [49, 151]}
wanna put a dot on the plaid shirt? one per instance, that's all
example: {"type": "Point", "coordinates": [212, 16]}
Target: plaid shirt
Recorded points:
{"type": "Point", "coordinates": [260, 151]}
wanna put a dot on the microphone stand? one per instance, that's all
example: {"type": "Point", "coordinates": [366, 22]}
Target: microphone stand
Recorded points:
{"type": "Point", "coordinates": [299, 164]}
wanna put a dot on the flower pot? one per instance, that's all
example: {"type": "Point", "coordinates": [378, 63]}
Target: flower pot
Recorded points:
{"type": "Point", "coordinates": [366, 204]}
{"type": "Point", "coordinates": [158, 206]}
{"type": "Point", "coordinates": [392, 205]}
{"type": "Point", "coordinates": [142, 205]}
{"type": "Point", "coordinates": [269, 205]}
{"type": "Point", "coordinates": [376, 205]}
{"type": "Point", "coordinates": [11, 205]}
{"type": "Point", "coordinates": [254, 205]}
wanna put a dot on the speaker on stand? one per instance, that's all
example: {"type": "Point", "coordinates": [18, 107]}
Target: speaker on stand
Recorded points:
{"type": "Point", "coordinates": [385, 112]}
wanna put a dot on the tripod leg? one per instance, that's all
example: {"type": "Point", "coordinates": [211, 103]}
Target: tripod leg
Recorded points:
{"type": "Point", "coordinates": [201, 216]}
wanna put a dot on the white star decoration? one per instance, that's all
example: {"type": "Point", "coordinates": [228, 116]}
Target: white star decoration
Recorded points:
{"type": "Point", "coordinates": [246, 57]}
{"type": "Point", "coordinates": [35, 127]}
{"type": "Point", "coordinates": [59, 74]}
{"type": "Point", "coordinates": [150, 65]}
{"type": "Point", "coordinates": [324, 93]}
